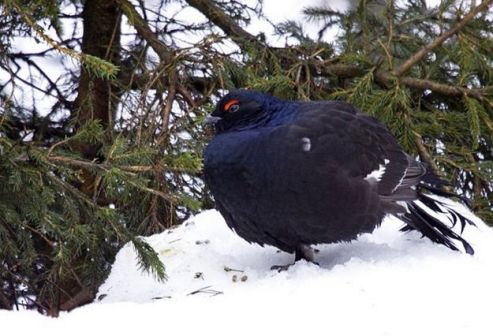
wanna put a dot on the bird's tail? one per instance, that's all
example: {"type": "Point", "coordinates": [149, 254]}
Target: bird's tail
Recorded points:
{"type": "Point", "coordinates": [419, 217]}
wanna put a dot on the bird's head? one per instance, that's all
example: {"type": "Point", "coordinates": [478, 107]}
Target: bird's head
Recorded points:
{"type": "Point", "coordinates": [241, 109]}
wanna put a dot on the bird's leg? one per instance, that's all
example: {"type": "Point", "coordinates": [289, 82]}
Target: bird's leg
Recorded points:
{"type": "Point", "coordinates": [301, 252]}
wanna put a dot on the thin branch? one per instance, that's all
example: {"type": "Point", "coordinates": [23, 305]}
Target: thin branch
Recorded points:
{"type": "Point", "coordinates": [440, 39]}
{"type": "Point", "coordinates": [52, 85]}
{"type": "Point", "coordinates": [216, 15]}
{"type": "Point", "coordinates": [166, 110]}
{"type": "Point", "coordinates": [143, 29]}
{"type": "Point", "coordinates": [425, 154]}
{"type": "Point", "coordinates": [49, 242]}
{"type": "Point", "coordinates": [186, 95]}
{"type": "Point", "coordinates": [387, 52]}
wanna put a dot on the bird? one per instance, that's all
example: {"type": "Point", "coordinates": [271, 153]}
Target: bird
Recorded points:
{"type": "Point", "coordinates": [292, 174]}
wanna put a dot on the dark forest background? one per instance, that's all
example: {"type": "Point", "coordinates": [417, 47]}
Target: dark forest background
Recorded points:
{"type": "Point", "coordinates": [101, 129]}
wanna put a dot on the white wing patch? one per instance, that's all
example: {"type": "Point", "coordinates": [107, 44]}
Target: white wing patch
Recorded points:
{"type": "Point", "coordinates": [306, 144]}
{"type": "Point", "coordinates": [377, 174]}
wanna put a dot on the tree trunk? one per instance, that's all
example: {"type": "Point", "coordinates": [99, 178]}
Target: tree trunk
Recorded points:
{"type": "Point", "coordinates": [97, 97]}
{"type": "Point", "coordinates": [96, 100]}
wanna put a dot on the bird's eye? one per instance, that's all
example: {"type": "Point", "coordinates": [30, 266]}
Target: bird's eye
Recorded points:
{"type": "Point", "coordinates": [234, 108]}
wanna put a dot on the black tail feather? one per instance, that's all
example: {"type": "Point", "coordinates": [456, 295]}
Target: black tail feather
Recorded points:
{"type": "Point", "coordinates": [439, 192]}
{"type": "Point", "coordinates": [431, 227]}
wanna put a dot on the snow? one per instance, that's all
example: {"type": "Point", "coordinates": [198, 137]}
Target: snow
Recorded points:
{"type": "Point", "coordinates": [384, 283]}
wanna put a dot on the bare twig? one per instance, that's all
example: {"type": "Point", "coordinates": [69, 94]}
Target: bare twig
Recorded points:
{"type": "Point", "coordinates": [223, 21]}
{"type": "Point", "coordinates": [229, 269]}
{"type": "Point", "coordinates": [143, 29]}
{"type": "Point", "coordinates": [37, 232]}
{"type": "Point", "coordinates": [168, 106]}
{"type": "Point", "coordinates": [206, 290]}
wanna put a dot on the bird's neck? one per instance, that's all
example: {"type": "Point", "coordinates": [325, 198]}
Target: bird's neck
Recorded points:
{"type": "Point", "coordinates": [280, 112]}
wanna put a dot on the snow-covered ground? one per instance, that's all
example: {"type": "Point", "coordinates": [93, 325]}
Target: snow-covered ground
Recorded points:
{"type": "Point", "coordinates": [385, 283]}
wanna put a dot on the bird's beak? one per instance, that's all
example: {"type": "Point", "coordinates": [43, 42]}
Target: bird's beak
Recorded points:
{"type": "Point", "coordinates": [211, 120]}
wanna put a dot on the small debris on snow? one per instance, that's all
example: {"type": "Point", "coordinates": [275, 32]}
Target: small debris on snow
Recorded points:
{"type": "Point", "coordinates": [206, 290]}
{"type": "Point", "coordinates": [161, 297]}
{"type": "Point", "coordinates": [228, 269]}
{"type": "Point", "coordinates": [102, 296]}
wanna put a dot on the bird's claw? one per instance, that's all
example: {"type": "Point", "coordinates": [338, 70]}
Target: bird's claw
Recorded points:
{"type": "Point", "coordinates": [281, 268]}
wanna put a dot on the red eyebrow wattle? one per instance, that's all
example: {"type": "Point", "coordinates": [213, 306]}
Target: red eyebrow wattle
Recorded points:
{"type": "Point", "coordinates": [228, 104]}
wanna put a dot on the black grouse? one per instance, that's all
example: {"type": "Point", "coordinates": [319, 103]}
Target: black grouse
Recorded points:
{"type": "Point", "coordinates": [292, 174]}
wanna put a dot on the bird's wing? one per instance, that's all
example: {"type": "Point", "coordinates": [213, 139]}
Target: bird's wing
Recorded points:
{"type": "Point", "coordinates": [359, 144]}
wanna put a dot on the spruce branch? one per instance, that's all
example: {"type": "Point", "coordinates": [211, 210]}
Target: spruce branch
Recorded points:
{"type": "Point", "coordinates": [386, 79]}
{"type": "Point", "coordinates": [71, 162]}
{"type": "Point", "coordinates": [404, 67]}
{"type": "Point", "coordinates": [148, 259]}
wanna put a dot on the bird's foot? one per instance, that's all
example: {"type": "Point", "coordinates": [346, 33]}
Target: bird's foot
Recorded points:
{"type": "Point", "coordinates": [281, 268]}
{"type": "Point", "coordinates": [301, 252]}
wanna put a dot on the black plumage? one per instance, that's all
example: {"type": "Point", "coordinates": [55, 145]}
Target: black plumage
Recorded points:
{"type": "Point", "coordinates": [292, 174]}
